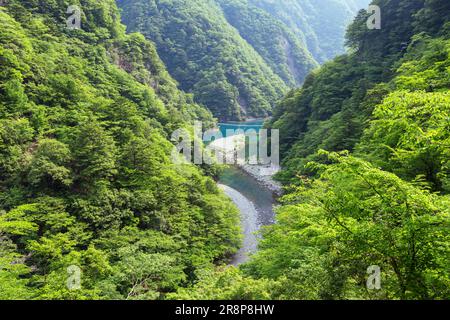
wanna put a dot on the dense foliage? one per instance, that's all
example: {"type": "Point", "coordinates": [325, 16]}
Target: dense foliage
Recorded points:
{"type": "Point", "coordinates": [331, 229]}
{"type": "Point", "coordinates": [86, 179]}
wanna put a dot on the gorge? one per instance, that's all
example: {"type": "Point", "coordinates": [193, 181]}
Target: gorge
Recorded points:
{"type": "Point", "coordinates": [93, 205]}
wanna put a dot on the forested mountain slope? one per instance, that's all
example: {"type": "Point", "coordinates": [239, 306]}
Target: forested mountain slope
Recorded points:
{"type": "Point", "coordinates": [207, 56]}
{"type": "Point", "coordinates": [239, 56]}
{"type": "Point", "coordinates": [282, 50]}
{"type": "Point", "coordinates": [86, 178]}
{"type": "Point", "coordinates": [366, 145]}
{"type": "Point", "coordinates": [320, 24]}
{"type": "Point", "coordinates": [331, 110]}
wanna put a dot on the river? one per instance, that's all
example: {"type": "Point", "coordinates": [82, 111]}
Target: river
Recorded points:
{"type": "Point", "coordinates": [255, 203]}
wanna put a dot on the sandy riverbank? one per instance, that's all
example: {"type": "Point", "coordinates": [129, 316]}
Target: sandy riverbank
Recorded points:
{"type": "Point", "coordinates": [250, 225]}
